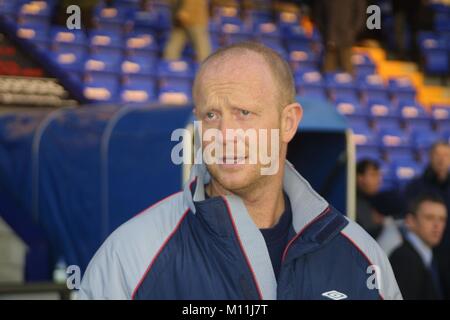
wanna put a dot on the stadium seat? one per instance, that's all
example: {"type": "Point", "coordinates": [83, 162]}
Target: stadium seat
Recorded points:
{"type": "Point", "coordinates": [395, 144]}
{"type": "Point", "coordinates": [36, 34]}
{"type": "Point", "coordinates": [340, 85]}
{"type": "Point", "coordinates": [104, 42]}
{"type": "Point", "coordinates": [138, 68]}
{"type": "Point", "coordinates": [141, 44]}
{"type": "Point", "coordinates": [414, 116]}
{"type": "Point", "coordinates": [403, 171]}
{"type": "Point", "coordinates": [302, 57]}
{"type": "Point", "coordinates": [286, 20]}
{"type": "Point", "coordinates": [441, 116]}
{"type": "Point", "coordinates": [422, 141]}
{"type": "Point", "coordinates": [111, 19]}
{"type": "Point", "coordinates": [402, 88]}
{"type": "Point", "coordinates": [365, 141]}
{"type": "Point", "coordinates": [99, 67]}
{"type": "Point", "coordinates": [175, 73]}
{"type": "Point", "coordinates": [35, 12]}
{"type": "Point", "coordinates": [104, 91]}
{"type": "Point", "coordinates": [372, 86]}
{"type": "Point", "coordinates": [383, 115]}
{"type": "Point", "coordinates": [310, 83]}
{"type": "Point", "coordinates": [363, 65]}
{"type": "Point", "coordinates": [235, 31]}
{"type": "Point", "coordinates": [145, 21]}
{"type": "Point", "coordinates": [175, 95]}
{"type": "Point", "coordinates": [138, 92]}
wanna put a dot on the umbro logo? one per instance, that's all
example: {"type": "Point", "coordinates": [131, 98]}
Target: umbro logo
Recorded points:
{"type": "Point", "coordinates": [334, 295]}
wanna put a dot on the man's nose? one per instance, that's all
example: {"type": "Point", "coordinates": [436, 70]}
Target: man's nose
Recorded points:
{"type": "Point", "coordinates": [228, 124]}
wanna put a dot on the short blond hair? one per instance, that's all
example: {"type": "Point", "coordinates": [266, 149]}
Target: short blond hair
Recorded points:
{"type": "Point", "coordinates": [280, 69]}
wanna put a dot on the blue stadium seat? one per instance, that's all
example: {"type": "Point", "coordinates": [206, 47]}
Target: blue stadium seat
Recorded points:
{"type": "Point", "coordinates": [111, 18]}
{"type": "Point", "coordinates": [180, 95]}
{"type": "Point", "coordinates": [422, 141]}
{"type": "Point", "coordinates": [36, 34]}
{"type": "Point", "coordinates": [296, 36]}
{"type": "Point", "coordinates": [340, 85]}
{"type": "Point", "coordinates": [414, 116]}
{"type": "Point", "coordinates": [141, 44]}
{"type": "Point", "coordinates": [366, 142]}
{"type": "Point", "coordinates": [104, 42]}
{"type": "Point", "coordinates": [363, 64]}
{"type": "Point", "coordinates": [138, 92]}
{"type": "Point", "coordinates": [138, 67]}
{"type": "Point", "coordinates": [302, 57]}
{"type": "Point", "coordinates": [225, 14]}
{"type": "Point", "coordinates": [104, 91]}
{"type": "Point", "coordinates": [145, 21]}
{"type": "Point", "coordinates": [99, 67]}
{"type": "Point", "coordinates": [402, 88]}
{"type": "Point", "coordinates": [267, 30]}
{"type": "Point", "coordinates": [9, 8]}
{"type": "Point", "coordinates": [175, 73]}
{"type": "Point", "coordinates": [234, 32]}
{"type": "Point", "coordinates": [310, 83]}
{"type": "Point", "coordinates": [64, 40]}
{"type": "Point", "coordinates": [372, 86]}
{"type": "Point", "coordinates": [405, 170]}
{"type": "Point", "coordinates": [434, 51]}
{"type": "Point", "coordinates": [383, 115]}
{"type": "Point", "coordinates": [69, 61]}
{"type": "Point", "coordinates": [287, 20]}
{"type": "Point", "coordinates": [351, 107]}
{"type": "Point", "coordinates": [396, 144]}
{"type": "Point", "coordinates": [35, 12]}
{"type": "Point", "coordinates": [388, 182]}
{"type": "Point", "coordinates": [441, 116]}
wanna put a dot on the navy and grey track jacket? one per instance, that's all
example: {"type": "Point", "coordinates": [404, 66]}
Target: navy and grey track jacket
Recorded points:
{"type": "Point", "coordinates": [186, 247]}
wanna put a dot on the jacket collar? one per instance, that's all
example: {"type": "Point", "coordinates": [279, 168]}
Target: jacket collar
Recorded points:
{"type": "Point", "coordinates": [313, 219]}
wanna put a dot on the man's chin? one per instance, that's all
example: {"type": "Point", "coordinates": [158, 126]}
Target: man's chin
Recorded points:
{"type": "Point", "coordinates": [232, 178]}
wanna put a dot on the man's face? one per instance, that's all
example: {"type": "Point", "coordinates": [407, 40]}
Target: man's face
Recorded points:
{"type": "Point", "coordinates": [440, 160]}
{"type": "Point", "coordinates": [429, 222]}
{"type": "Point", "coordinates": [370, 181]}
{"type": "Point", "coordinates": [238, 93]}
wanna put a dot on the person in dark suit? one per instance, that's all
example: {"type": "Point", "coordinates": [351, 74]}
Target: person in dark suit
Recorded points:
{"type": "Point", "coordinates": [413, 262]}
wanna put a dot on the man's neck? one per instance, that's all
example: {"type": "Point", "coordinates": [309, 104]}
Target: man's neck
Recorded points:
{"type": "Point", "coordinates": [265, 204]}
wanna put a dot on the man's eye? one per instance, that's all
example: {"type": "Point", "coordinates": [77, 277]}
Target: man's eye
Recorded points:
{"type": "Point", "coordinates": [210, 115]}
{"type": "Point", "coordinates": [245, 112]}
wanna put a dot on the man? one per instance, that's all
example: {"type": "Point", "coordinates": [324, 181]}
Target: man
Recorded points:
{"type": "Point", "coordinates": [238, 231]}
{"type": "Point", "coordinates": [436, 179]}
{"type": "Point", "coordinates": [368, 182]}
{"type": "Point", "coordinates": [190, 22]}
{"type": "Point", "coordinates": [413, 262]}
{"type": "Point", "coordinates": [339, 23]}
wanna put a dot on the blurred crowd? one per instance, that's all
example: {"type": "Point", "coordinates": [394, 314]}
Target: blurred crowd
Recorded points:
{"type": "Point", "coordinates": [411, 224]}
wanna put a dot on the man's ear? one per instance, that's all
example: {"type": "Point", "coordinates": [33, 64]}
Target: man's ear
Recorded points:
{"type": "Point", "coordinates": [291, 116]}
{"type": "Point", "coordinates": [410, 220]}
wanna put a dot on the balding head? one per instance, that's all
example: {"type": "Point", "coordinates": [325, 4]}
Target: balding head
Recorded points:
{"type": "Point", "coordinates": [244, 57]}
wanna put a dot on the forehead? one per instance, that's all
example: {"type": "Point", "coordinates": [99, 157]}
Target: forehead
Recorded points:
{"type": "Point", "coordinates": [433, 208]}
{"type": "Point", "coordinates": [442, 148]}
{"type": "Point", "coordinates": [237, 76]}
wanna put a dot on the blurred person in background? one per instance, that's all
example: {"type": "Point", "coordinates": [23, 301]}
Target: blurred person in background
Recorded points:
{"type": "Point", "coordinates": [436, 179]}
{"type": "Point", "coordinates": [190, 22]}
{"type": "Point", "coordinates": [368, 183]}
{"type": "Point", "coordinates": [412, 16]}
{"type": "Point", "coordinates": [414, 263]}
{"type": "Point", "coordinates": [339, 22]}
